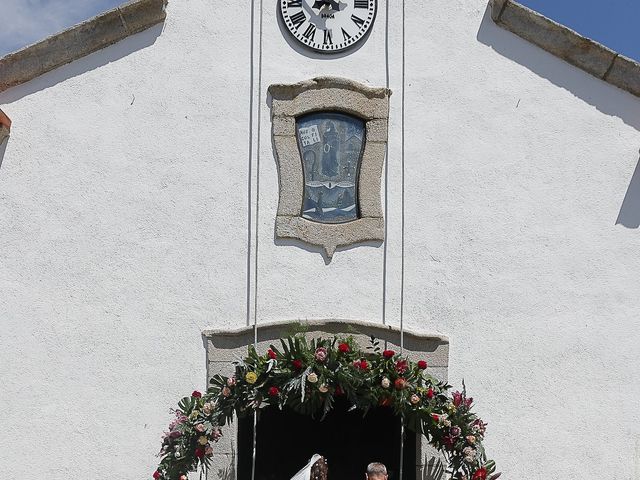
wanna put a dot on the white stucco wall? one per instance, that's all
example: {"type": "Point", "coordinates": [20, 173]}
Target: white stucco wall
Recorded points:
{"type": "Point", "coordinates": [124, 202]}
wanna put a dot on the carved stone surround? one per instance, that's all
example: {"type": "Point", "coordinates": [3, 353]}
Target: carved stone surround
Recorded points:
{"type": "Point", "coordinates": [226, 346]}
{"type": "Point", "coordinates": [337, 95]}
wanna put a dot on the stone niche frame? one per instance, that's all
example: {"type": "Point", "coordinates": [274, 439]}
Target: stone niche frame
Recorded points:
{"type": "Point", "coordinates": [330, 94]}
{"type": "Point", "coordinates": [224, 347]}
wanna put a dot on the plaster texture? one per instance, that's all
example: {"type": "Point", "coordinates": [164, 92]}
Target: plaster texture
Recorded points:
{"type": "Point", "coordinates": [128, 215]}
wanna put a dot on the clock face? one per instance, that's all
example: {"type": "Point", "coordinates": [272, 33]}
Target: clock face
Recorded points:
{"type": "Point", "coordinates": [328, 25]}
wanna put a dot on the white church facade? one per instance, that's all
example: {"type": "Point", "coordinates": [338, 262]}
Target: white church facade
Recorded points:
{"type": "Point", "coordinates": [181, 181]}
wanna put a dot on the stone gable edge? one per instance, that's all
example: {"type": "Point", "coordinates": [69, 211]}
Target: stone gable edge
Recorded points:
{"type": "Point", "coordinates": [80, 40]}
{"type": "Point", "coordinates": [561, 41]}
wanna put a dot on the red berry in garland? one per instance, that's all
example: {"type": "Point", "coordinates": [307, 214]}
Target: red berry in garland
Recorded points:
{"type": "Point", "coordinates": [271, 354]}
{"type": "Point", "coordinates": [422, 365]}
{"type": "Point", "coordinates": [196, 394]}
{"type": "Point", "coordinates": [388, 354]}
{"type": "Point", "coordinates": [343, 347]}
{"type": "Point", "coordinates": [297, 364]}
{"type": "Point", "coordinates": [400, 384]}
{"type": "Point", "coordinates": [156, 475]}
{"type": "Point", "coordinates": [273, 391]}
{"type": "Point", "coordinates": [199, 452]}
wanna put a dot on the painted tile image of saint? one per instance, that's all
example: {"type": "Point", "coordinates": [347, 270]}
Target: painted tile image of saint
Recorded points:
{"type": "Point", "coordinates": [330, 146]}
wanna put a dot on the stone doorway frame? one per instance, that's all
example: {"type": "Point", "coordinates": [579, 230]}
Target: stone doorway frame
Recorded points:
{"type": "Point", "coordinates": [224, 347]}
{"type": "Point", "coordinates": [329, 94]}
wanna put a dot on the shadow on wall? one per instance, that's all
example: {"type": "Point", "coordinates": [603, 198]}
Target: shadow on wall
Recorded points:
{"type": "Point", "coordinates": [92, 61]}
{"type": "Point", "coordinates": [606, 98]}
{"type": "Point", "coordinates": [629, 215]}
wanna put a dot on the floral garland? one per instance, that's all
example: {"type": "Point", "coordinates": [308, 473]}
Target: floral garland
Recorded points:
{"type": "Point", "coordinates": [307, 376]}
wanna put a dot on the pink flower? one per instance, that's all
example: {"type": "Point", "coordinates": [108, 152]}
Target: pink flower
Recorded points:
{"type": "Point", "coordinates": [196, 394]}
{"type": "Point", "coordinates": [199, 452]}
{"type": "Point", "coordinates": [321, 354]}
{"type": "Point", "coordinates": [216, 434]}
{"type": "Point", "coordinates": [231, 381]}
{"type": "Point", "coordinates": [455, 431]}
{"type": "Point", "coordinates": [457, 398]}
{"type": "Point", "coordinates": [415, 399]}
{"type": "Point", "coordinates": [226, 391]}
{"type": "Point", "coordinates": [200, 428]}
{"type": "Point", "coordinates": [208, 451]}
{"type": "Point", "coordinates": [401, 366]}
{"type": "Point", "coordinates": [468, 402]}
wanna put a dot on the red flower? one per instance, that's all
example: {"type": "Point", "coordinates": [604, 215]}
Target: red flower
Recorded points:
{"type": "Point", "coordinates": [339, 391]}
{"type": "Point", "coordinates": [457, 398]}
{"type": "Point", "coordinates": [271, 354]}
{"type": "Point", "coordinates": [385, 402]}
{"type": "Point", "coordinates": [199, 452]}
{"type": "Point", "coordinates": [400, 384]}
{"type": "Point", "coordinates": [156, 475]}
{"type": "Point", "coordinates": [273, 391]}
{"type": "Point", "coordinates": [361, 364]}
{"type": "Point", "coordinates": [401, 366]}
{"type": "Point", "coordinates": [468, 402]}
{"type": "Point", "coordinates": [422, 365]}
{"type": "Point", "coordinates": [430, 393]}
{"type": "Point", "coordinates": [343, 347]}
{"type": "Point", "coordinates": [297, 364]}
{"type": "Point", "coordinates": [388, 353]}
{"type": "Point", "coordinates": [435, 417]}
{"type": "Point", "coordinates": [481, 474]}
{"type": "Point", "coordinates": [196, 394]}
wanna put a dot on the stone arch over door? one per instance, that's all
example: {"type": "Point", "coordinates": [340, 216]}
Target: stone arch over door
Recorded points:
{"type": "Point", "coordinates": [227, 346]}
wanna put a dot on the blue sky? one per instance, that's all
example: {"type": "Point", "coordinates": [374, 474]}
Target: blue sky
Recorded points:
{"type": "Point", "coordinates": [616, 23]}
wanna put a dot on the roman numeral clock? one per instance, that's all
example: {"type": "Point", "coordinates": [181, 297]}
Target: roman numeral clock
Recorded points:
{"type": "Point", "coordinates": [328, 26]}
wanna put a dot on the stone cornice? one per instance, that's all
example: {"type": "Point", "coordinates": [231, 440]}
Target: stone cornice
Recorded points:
{"type": "Point", "coordinates": [584, 53]}
{"type": "Point", "coordinates": [78, 41]}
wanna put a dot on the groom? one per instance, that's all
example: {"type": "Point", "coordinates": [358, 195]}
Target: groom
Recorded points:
{"type": "Point", "coordinates": [376, 471]}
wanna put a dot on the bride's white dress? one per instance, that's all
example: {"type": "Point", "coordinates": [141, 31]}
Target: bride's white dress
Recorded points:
{"type": "Point", "coordinates": [305, 472]}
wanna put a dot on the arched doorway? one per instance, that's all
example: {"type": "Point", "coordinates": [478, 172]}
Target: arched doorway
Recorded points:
{"type": "Point", "coordinates": [348, 440]}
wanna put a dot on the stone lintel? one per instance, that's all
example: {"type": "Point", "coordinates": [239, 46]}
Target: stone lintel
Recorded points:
{"type": "Point", "coordinates": [80, 40]}
{"type": "Point", "coordinates": [580, 51]}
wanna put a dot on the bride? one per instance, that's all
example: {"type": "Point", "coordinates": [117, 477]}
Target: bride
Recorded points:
{"type": "Point", "coordinates": [316, 469]}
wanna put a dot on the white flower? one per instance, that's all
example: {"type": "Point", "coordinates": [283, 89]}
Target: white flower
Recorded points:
{"type": "Point", "coordinates": [312, 377]}
{"type": "Point", "coordinates": [469, 451]}
{"type": "Point", "coordinates": [323, 388]}
{"type": "Point", "coordinates": [447, 423]}
{"type": "Point", "coordinates": [386, 383]}
{"type": "Point", "coordinates": [469, 459]}
{"type": "Point", "coordinates": [415, 399]}
{"type": "Point", "coordinates": [207, 408]}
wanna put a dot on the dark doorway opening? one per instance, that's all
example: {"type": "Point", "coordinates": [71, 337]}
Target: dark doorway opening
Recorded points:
{"type": "Point", "coordinates": [286, 441]}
